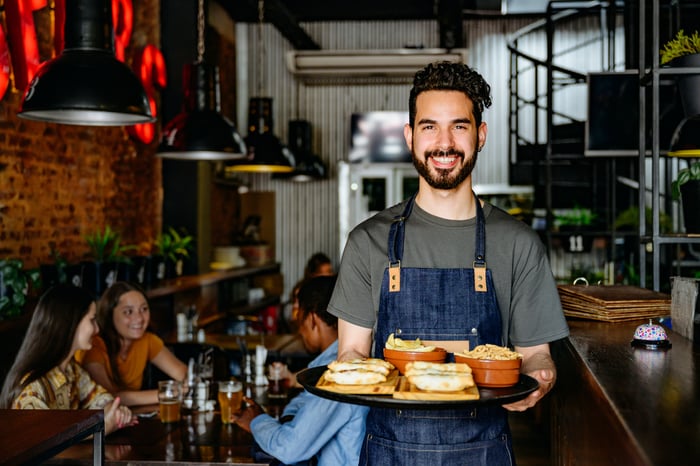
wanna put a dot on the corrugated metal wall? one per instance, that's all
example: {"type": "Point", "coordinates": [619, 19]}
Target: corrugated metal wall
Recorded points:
{"type": "Point", "coordinates": [307, 219]}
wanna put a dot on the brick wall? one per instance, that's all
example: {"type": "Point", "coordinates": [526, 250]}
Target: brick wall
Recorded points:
{"type": "Point", "coordinates": [61, 182]}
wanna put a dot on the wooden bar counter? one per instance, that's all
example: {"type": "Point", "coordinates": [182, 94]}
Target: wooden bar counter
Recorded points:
{"type": "Point", "coordinates": [619, 405]}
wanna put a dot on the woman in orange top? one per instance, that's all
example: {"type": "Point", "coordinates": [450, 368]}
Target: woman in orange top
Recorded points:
{"type": "Point", "coordinates": [127, 345]}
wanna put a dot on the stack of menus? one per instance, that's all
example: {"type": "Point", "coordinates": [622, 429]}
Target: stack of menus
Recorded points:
{"type": "Point", "coordinates": [615, 303]}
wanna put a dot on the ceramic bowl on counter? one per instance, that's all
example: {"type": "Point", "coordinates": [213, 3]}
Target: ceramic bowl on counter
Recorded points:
{"type": "Point", "coordinates": [399, 358]}
{"type": "Point", "coordinates": [493, 373]}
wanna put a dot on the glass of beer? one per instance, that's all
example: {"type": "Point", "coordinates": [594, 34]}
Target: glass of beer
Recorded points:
{"type": "Point", "coordinates": [169, 399]}
{"type": "Point", "coordinates": [230, 398]}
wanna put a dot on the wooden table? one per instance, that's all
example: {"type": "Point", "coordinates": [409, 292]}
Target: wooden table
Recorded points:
{"type": "Point", "coordinates": [614, 404]}
{"type": "Point", "coordinates": [32, 436]}
{"type": "Point", "coordinates": [197, 438]}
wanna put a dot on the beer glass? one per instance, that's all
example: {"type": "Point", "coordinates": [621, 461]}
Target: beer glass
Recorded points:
{"type": "Point", "coordinates": [230, 398]}
{"type": "Point", "coordinates": [169, 399]}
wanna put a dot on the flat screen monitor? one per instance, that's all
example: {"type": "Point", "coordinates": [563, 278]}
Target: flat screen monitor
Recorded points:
{"type": "Point", "coordinates": [612, 126]}
{"type": "Point", "coordinates": [378, 137]}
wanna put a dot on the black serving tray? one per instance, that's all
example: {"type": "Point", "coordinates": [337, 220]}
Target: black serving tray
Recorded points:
{"type": "Point", "coordinates": [308, 378]}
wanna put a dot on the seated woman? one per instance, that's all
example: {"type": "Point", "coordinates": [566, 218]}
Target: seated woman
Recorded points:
{"type": "Point", "coordinates": [45, 375]}
{"type": "Point", "coordinates": [118, 359]}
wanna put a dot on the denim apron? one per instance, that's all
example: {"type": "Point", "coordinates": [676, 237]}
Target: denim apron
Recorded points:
{"type": "Point", "coordinates": [437, 304]}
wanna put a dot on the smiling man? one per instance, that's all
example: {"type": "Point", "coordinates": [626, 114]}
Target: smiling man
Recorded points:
{"type": "Point", "coordinates": [452, 270]}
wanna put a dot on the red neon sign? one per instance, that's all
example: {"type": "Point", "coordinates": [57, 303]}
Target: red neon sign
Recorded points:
{"type": "Point", "coordinates": [123, 20]}
{"type": "Point", "coordinates": [150, 68]}
{"type": "Point", "coordinates": [4, 64]}
{"type": "Point", "coordinates": [23, 42]}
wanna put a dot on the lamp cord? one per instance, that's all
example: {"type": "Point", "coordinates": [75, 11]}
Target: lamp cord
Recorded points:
{"type": "Point", "coordinates": [261, 43]}
{"type": "Point", "coordinates": [200, 31]}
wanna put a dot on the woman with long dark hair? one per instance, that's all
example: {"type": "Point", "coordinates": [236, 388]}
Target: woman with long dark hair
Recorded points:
{"type": "Point", "coordinates": [45, 374]}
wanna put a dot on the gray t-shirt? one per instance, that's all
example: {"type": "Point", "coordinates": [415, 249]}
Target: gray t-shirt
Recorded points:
{"type": "Point", "coordinates": [525, 288]}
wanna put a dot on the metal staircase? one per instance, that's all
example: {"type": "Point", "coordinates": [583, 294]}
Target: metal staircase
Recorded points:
{"type": "Point", "coordinates": [547, 108]}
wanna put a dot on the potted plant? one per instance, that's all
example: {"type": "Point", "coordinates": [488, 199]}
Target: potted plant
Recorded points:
{"type": "Point", "coordinates": [56, 272]}
{"type": "Point", "coordinates": [684, 51]}
{"type": "Point", "coordinates": [106, 253]}
{"type": "Point", "coordinates": [172, 247]}
{"type": "Point", "coordinates": [14, 287]}
{"type": "Point", "coordinates": [687, 186]}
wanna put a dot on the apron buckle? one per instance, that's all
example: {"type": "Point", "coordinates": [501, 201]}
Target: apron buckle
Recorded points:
{"type": "Point", "coordinates": [395, 277]}
{"type": "Point", "coordinates": [480, 277]}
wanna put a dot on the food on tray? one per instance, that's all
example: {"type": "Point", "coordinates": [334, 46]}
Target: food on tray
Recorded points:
{"type": "Point", "coordinates": [369, 364]}
{"type": "Point", "coordinates": [407, 345]}
{"type": "Point", "coordinates": [489, 351]}
{"type": "Point", "coordinates": [358, 371]}
{"type": "Point", "coordinates": [439, 377]}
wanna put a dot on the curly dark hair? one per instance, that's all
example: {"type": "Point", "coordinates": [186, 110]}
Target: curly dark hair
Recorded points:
{"type": "Point", "coordinates": [447, 76]}
{"type": "Point", "coordinates": [314, 296]}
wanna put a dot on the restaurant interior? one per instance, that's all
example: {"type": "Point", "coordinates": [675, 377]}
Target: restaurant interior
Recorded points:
{"type": "Point", "coordinates": [206, 149]}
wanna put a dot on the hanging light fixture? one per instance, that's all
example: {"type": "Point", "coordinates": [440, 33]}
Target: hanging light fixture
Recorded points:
{"type": "Point", "coordinates": [309, 166]}
{"type": "Point", "coordinates": [200, 131]}
{"type": "Point", "coordinates": [685, 141]}
{"type": "Point", "coordinates": [86, 84]}
{"type": "Point", "coordinates": [265, 152]}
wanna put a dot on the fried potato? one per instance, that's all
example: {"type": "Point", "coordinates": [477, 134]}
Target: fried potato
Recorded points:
{"type": "Point", "coordinates": [490, 351]}
{"type": "Point", "coordinates": [407, 345]}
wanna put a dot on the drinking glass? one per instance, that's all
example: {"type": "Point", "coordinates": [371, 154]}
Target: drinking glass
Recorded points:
{"type": "Point", "coordinates": [169, 399]}
{"type": "Point", "coordinates": [230, 398]}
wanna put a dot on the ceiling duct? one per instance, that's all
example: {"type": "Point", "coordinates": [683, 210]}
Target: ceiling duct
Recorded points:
{"type": "Point", "coordinates": [395, 65]}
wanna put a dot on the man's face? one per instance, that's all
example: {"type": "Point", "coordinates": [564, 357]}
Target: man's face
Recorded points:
{"type": "Point", "coordinates": [444, 138]}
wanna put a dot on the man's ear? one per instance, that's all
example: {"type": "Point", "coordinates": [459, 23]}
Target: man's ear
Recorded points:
{"type": "Point", "coordinates": [408, 136]}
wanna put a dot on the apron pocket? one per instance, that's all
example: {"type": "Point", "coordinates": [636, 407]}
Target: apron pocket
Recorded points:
{"type": "Point", "coordinates": [377, 451]}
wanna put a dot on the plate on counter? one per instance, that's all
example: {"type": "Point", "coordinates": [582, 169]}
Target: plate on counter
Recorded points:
{"type": "Point", "coordinates": [309, 379]}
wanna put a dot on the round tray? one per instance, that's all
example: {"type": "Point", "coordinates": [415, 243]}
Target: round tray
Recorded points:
{"type": "Point", "coordinates": [487, 396]}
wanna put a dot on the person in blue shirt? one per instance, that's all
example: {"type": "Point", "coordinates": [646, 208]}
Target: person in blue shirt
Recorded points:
{"type": "Point", "coordinates": [316, 429]}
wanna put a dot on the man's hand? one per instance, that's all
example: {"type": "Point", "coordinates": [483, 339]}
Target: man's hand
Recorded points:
{"type": "Point", "coordinates": [250, 412]}
{"type": "Point", "coordinates": [538, 364]}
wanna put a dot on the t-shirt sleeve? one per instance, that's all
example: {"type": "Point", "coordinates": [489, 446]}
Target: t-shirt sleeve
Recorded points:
{"type": "Point", "coordinates": [155, 345]}
{"type": "Point", "coordinates": [32, 396]}
{"type": "Point", "coordinates": [92, 395]}
{"type": "Point", "coordinates": [352, 296]}
{"type": "Point", "coordinates": [536, 313]}
{"type": "Point", "coordinates": [98, 353]}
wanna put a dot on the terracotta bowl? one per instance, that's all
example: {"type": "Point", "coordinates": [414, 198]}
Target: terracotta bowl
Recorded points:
{"type": "Point", "coordinates": [400, 358]}
{"type": "Point", "coordinates": [492, 372]}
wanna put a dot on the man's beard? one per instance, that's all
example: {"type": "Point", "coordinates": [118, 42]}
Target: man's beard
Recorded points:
{"type": "Point", "coordinates": [443, 178]}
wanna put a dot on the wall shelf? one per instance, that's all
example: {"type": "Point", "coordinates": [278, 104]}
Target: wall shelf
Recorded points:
{"type": "Point", "coordinates": [650, 243]}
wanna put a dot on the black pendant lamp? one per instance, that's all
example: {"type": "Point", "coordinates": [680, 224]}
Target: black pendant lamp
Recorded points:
{"type": "Point", "coordinates": [200, 131]}
{"type": "Point", "coordinates": [86, 84]}
{"type": "Point", "coordinates": [308, 167]}
{"type": "Point", "coordinates": [266, 154]}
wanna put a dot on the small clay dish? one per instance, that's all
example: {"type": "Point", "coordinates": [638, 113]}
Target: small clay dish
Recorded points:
{"type": "Point", "coordinates": [493, 372]}
{"type": "Point", "coordinates": [399, 358]}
